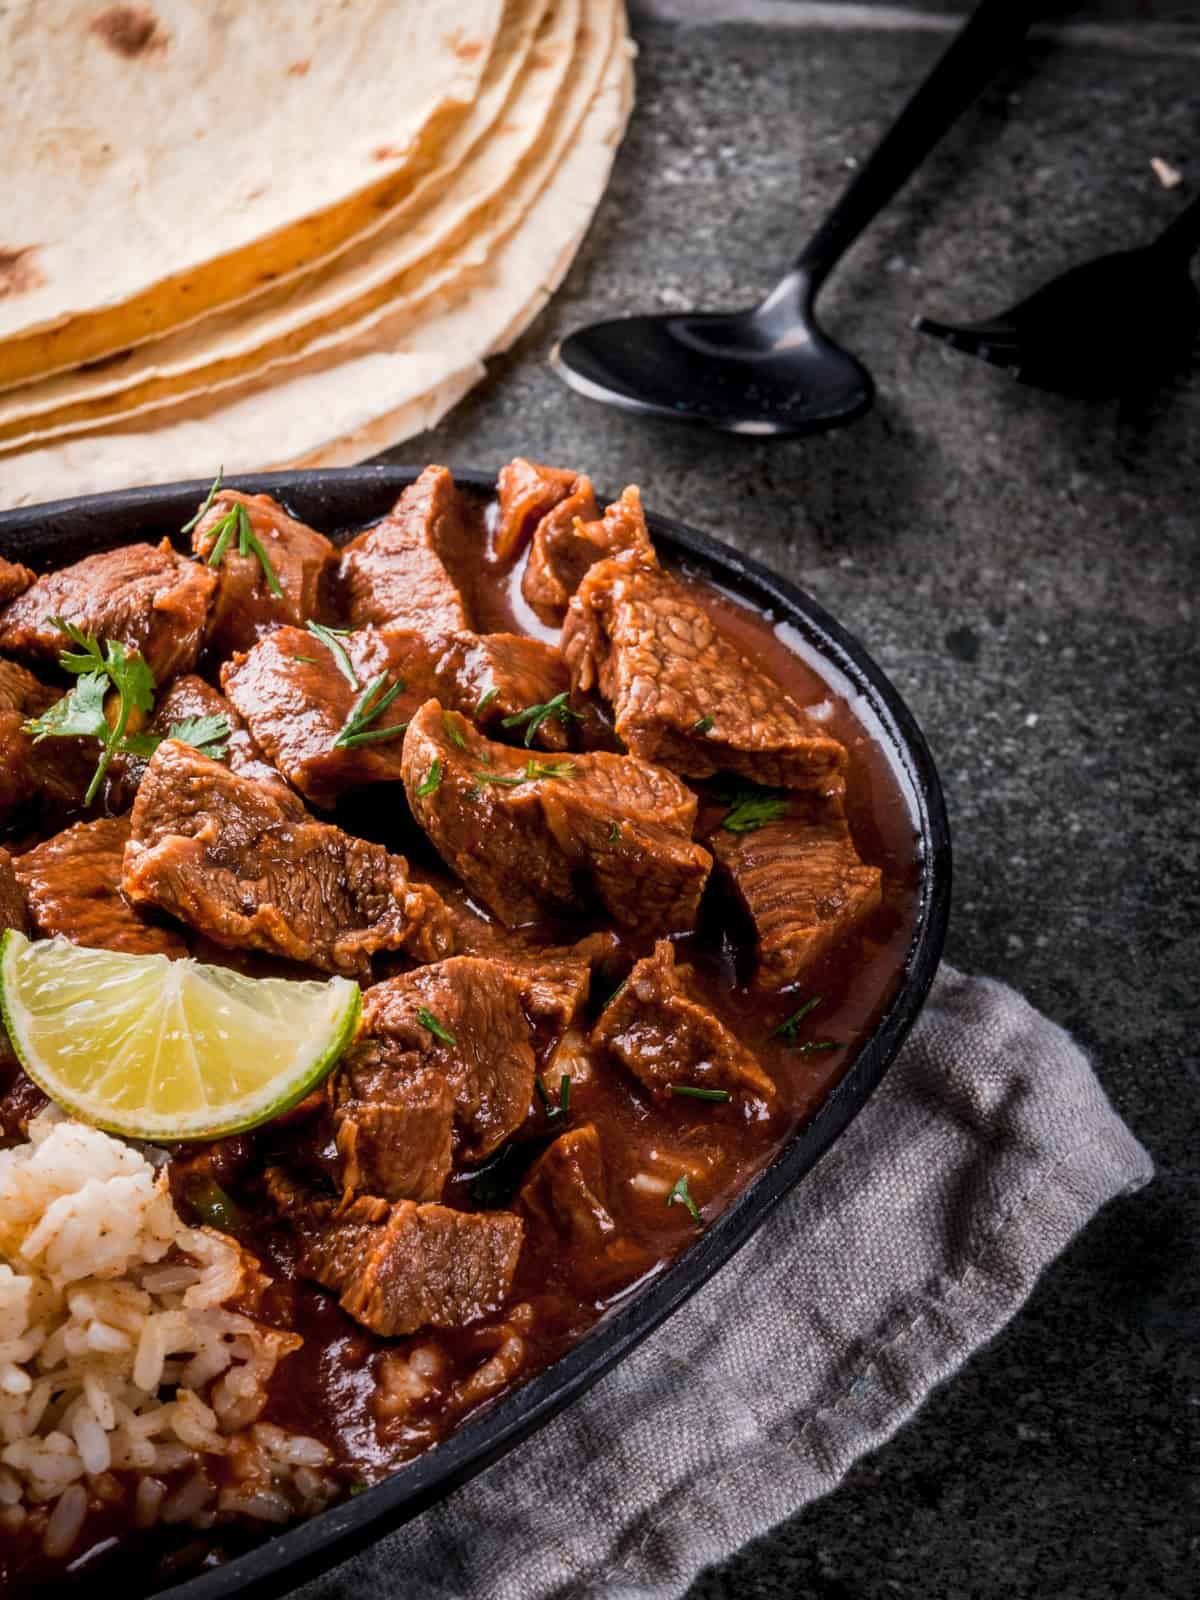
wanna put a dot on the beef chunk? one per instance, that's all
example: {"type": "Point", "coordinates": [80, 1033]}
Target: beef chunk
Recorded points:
{"type": "Point", "coordinates": [226, 857]}
{"type": "Point", "coordinates": [296, 700]}
{"type": "Point", "coordinates": [21, 697]}
{"type": "Point", "coordinates": [398, 1141]}
{"type": "Point", "coordinates": [22, 1100]}
{"type": "Point", "coordinates": [191, 696]}
{"type": "Point", "coordinates": [149, 597]}
{"type": "Point", "coordinates": [487, 1058]}
{"type": "Point", "coordinates": [400, 1266]}
{"type": "Point", "coordinates": [532, 838]}
{"type": "Point", "coordinates": [72, 885]}
{"type": "Point", "coordinates": [296, 697]}
{"type": "Point", "coordinates": [801, 882]}
{"type": "Point", "coordinates": [573, 538]}
{"type": "Point", "coordinates": [245, 607]}
{"type": "Point", "coordinates": [59, 769]}
{"type": "Point", "coordinates": [395, 574]}
{"type": "Point", "coordinates": [655, 1028]}
{"type": "Point", "coordinates": [564, 1190]}
{"type": "Point", "coordinates": [510, 673]}
{"type": "Point", "coordinates": [12, 899]}
{"type": "Point", "coordinates": [555, 983]}
{"type": "Point", "coordinates": [681, 692]}
{"type": "Point", "coordinates": [527, 493]}
{"type": "Point", "coordinates": [14, 580]}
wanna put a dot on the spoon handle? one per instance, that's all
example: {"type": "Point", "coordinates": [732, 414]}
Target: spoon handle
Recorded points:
{"type": "Point", "coordinates": [1182, 237]}
{"type": "Point", "coordinates": [972, 60]}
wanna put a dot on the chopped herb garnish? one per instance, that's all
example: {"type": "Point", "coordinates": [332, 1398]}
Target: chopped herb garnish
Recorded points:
{"type": "Point", "coordinates": [358, 1488]}
{"type": "Point", "coordinates": [533, 769]}
{"type": "Point", "coordinates": [754, 808]}
{"type": "Point", "coordinates": [431, 779]}
{"type": "Point", "coordinates": [533, 716]}
{"type": "Point", "coordinates": [485, 700]}
{"type": "Point", "coordinates": [208, 500]}
{"type": "Point", "coordinates": [681, 1195]}
{"type": "Point", "coordinates": [81, 712]}
{"type": "Point", "coordinates": [811, 1045]}
{"type": "Point", "coordinates": [210, 735]}
{"type": "Point", "coordinates": [309, 661]}
{"type": "Point", "coordinates": [453, 731]}
{"type": "Point", "coordinates": [787, 1028]}
{"type": "Point", "coordinates": [702, 724]}
{"type": "Point", "coordinates": [223, 533]}
{"type": "Point", "coordinates": [329, 637]}
{"type": "Point", "coordinates": [215, 1207]}
{"type": "Point", "coordinates": [371, 703]}
{"type": "Point", "coordinates": [614, 832]}
{"type": "Point", "coordinates": [553, 1108]}
{"type": "Point", "coordinates": [549, 769]}
{"type": "Point", "coordinates": [249, 544]}
{"type": "Point", "coordinates": [686, 1090]}
{"type": "Point", "coordinates": [427, 1020]}
{"type": "Point", "coordinates": [237, 520]}
{"type": "Point", "coordinates": [498, 778]}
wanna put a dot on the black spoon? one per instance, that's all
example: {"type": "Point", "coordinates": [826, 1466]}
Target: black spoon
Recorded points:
{"type": "Point", "coordinates": [773, 369]}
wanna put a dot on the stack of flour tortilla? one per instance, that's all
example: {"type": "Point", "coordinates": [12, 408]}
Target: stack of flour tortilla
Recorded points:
{"type": "Point", "coordinates": [262, 233]}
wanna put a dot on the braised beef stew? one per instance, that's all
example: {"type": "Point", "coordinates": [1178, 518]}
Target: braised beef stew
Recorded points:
{"type": "Point", "coordinates": [624, 877]}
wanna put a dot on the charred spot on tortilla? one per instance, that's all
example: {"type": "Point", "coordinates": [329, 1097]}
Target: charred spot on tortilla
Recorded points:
{"type": "Point", "coordinates": [298, 69]}
{"type": "Point", "coordinates": [129, 31]}
{"type": "Point", "coordinates": [467, 49]}
{"type": "Point", "coordinates": [386, 152]}
{"type": "Point", "coordinates": [18, 271]}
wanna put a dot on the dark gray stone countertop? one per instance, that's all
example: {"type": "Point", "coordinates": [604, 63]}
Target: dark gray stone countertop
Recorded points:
{"type": "Point", "coordinates": [1025, 567]}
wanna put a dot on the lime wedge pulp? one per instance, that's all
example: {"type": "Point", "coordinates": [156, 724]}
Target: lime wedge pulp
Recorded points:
{"type": "Point", "coordinates": [165, 1050]}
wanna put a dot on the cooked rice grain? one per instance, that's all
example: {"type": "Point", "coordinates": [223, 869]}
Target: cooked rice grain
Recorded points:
{"type": "Point", "coordinates": [118, 1354]}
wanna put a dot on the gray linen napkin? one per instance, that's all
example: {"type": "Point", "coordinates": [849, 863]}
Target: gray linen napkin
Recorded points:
{"type": "Point", "coordinates": [988, 1146]}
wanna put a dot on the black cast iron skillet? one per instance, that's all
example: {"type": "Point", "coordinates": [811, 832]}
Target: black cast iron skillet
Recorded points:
{"type": "Point", "coordinates": [54, 534]}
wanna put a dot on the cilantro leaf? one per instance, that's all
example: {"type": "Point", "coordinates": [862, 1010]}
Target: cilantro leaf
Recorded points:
{"type": "Point", "coordinates": [80, 712]}
{"type": "Point", "coordinates": [750, 809]}
{"type": "Point", "coordinates": [210, 735]}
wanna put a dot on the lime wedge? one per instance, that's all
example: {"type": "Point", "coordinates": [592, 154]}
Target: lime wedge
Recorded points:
{"type": "Point", "coordinates": [164, 1050]}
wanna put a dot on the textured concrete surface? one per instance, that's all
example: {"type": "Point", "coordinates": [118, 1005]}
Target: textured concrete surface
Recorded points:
{"type": "Point", "coordinates": [1025, 567]}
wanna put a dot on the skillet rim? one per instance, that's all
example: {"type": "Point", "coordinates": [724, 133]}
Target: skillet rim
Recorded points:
{"type": "Point", "coordinates": [337, 498]}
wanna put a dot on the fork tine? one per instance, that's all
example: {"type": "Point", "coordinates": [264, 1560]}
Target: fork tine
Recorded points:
{"type": "Point", "coordinates": [996, 342]}
{"type": "Point", "coordinates": [998, 331]}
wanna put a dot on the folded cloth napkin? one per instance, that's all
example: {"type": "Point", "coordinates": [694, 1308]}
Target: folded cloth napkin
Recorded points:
{"type": "Point", "coordinates": [988, 1146]}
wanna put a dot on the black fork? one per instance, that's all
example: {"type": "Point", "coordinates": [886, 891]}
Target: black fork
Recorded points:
{"type": "Point", "coordinates": [1115, 325]}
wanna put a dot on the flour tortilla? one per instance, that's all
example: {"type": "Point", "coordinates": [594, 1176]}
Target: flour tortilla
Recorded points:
{"type": "Point", "coordinates": [417, 256]}
{"type": "Point", "coordinates": [354, 407]}
{"type": "Point", "coordinates": [173, 152]}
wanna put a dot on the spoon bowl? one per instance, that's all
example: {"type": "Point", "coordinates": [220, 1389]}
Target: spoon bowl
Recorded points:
{"type": "Point", "coordinates": [771, 370]}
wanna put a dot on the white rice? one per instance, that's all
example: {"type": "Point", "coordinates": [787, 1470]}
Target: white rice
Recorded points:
{"type": "Point", "coordinates": [123, 1375]}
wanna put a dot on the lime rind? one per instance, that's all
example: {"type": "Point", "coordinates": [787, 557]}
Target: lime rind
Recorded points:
{"type": "Point", "coordinates": [166, 1050]}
